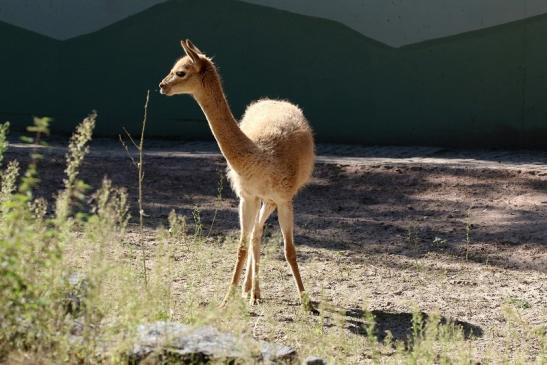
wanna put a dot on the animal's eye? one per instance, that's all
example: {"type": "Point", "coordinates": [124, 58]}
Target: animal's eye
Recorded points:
{"type": "Point", "coordinates": [181, 73]}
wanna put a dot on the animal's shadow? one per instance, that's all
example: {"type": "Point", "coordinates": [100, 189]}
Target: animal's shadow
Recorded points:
{"type": "Point", "coordinates": [400, 325]}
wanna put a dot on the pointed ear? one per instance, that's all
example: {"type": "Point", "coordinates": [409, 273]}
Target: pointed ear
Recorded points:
{"type": "Point", "coordinates": [190, 52]}
{"type": "Point", "coordinates": [193, 46]}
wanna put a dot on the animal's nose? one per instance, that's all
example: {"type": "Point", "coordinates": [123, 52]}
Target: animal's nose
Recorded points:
{"type": "Point", "coordinates": [162, 85]}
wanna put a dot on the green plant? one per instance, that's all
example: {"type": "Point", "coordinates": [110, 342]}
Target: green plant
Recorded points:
{"type": "Point", "coordinates": [177, 227]}
{"type": "Point", "coordinates": [412, 236]}
{"type": "Point", "coordinates": [198, 226]}
{"type": "Point", "coordinates": [218, 200]}
{"type": "Point", "coordinates": [74, 188]}
{"type": "Point", "coordinates": [518, 302]}
{"type": "Point", "coordinates": [31, 247]}
{"type": "Point", "coordinates": [40, 252]}
{"type": "Point", "coordinates": [370, 327]}
{"type": "Point", "coordinates": [4, 127]}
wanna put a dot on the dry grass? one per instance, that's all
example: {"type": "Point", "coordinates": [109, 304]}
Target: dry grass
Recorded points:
{"type": "Point", "coordinates": [372, 305]}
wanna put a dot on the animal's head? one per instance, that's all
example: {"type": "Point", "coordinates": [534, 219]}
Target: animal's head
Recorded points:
{"type": "Point", "coordinates": [186, 76]}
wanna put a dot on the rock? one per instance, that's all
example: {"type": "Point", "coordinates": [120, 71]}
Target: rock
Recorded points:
{"type": "Point", "coordinates": [314, 360]}
{"type": "Point", "coordinates": [270, 352]}
{"type": "Point", "coordinates": [78, 288]}
{"type": "Point", "coordinates": [171, 341]}
{"type": "Point", "coordinates": [77, 327]}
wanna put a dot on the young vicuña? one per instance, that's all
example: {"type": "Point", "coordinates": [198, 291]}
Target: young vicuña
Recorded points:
{"type": "Point", "coordinates": [270, 156]}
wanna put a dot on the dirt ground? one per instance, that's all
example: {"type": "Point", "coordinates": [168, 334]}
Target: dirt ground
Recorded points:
{"type": "Point", "coordinates": [462, 232]}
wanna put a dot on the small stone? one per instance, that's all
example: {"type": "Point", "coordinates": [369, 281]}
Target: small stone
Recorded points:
{"type": "Point", "coordinates": [77, 328]}
{"type": "Point", "coordinates": [273, 351]}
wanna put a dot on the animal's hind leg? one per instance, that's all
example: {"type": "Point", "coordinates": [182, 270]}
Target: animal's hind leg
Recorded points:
{"type": "Point", "coordinates": [251, 275]}
{"type": "Point", "coordinates": [285, 214]}
{"type": "Point", "coordinates": [248, 210]}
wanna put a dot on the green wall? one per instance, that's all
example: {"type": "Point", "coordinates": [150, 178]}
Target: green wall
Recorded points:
{"type": "Point", "coordinates": [482, 88]}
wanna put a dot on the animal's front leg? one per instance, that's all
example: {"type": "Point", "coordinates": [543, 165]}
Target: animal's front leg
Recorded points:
{"type": "Point", "coordinates": [248, 209]}
{"type": "Point", "coordinates": [248, 279]}
{"type": "Point", "coordinates": [256, 238]}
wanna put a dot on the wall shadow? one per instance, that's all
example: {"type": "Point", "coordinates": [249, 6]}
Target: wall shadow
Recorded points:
{"type": "Point", "coordinates": [369, 209]}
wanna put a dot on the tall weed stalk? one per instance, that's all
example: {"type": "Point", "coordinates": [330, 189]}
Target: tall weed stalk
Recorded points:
{"type": "Point", "coordinates": [140, 171]}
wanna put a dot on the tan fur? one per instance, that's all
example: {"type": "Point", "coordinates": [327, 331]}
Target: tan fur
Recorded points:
{"type": "Point", "coordinates": [270, 156]}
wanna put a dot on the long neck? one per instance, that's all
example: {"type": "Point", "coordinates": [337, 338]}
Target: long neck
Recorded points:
{"type": "Point", "coordinates": [234, 144]}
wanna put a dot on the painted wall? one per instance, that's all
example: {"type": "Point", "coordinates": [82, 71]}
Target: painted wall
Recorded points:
{"type": "Point", "coordinates": [64, 19]}
{"type": "Point", "coordinates": [436, 72]}
{"type": "Point", "coordinates": [395, 23]}
{"type": "Point", "coordinates": [403, 22]}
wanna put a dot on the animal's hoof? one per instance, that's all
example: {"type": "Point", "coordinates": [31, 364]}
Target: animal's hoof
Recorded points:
{"type": "Point", "coordinates": [224, 301]}
{"type": "Point", "coordinates": [255, 299]}
{"type": "Point", "coordinates": [227, 297]}
{"type": "Point", "coordinates": [245, 292]}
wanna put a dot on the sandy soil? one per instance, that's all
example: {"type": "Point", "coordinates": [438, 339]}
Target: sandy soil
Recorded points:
{"type": "Point", "coordinates": [459, 231]}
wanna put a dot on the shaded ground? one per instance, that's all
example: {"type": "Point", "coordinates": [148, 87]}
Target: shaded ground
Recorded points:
{"type": "Point", "coordinates": [459, 231]}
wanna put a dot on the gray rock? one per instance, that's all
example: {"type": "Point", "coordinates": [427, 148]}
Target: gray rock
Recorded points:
{"type": "Point", "coordinates": [171, 341]}
{"type": "Point", "coordinates": [77, 327]}
{"type": "Point", "coordinates": [78, 288]}
{"type": "Point", "coordinates": [271, 351]}
{"type": "Point", "coordinates": [314, 360]}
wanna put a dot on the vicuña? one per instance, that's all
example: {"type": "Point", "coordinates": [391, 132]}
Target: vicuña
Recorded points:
{"type": "Point", "coordinates": [270, 156]}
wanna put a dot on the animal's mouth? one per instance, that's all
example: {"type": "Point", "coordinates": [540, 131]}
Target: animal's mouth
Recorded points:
{"type": "Point", "coordinates": [165, 90]}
